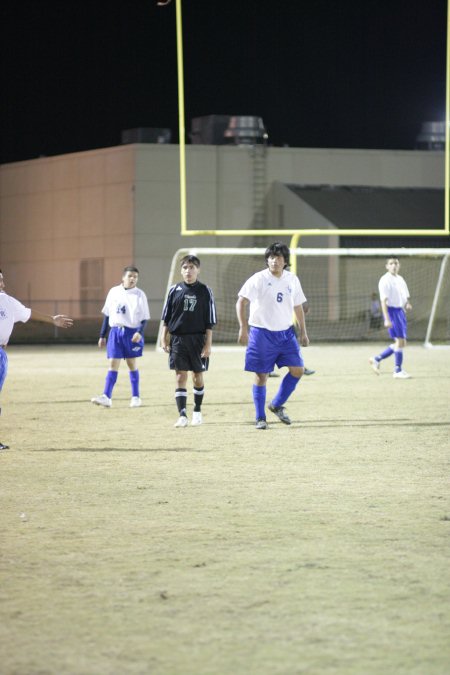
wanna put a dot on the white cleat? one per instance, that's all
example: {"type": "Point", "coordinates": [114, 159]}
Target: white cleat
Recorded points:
{"type": "Point", "coordinates": [182, 421]}
{"type": "Point", "coordinates": [135, 402]}
{"type": "Point", "coordinates": [402, 375]}
{"type": "Point", "coordinates": [375, 365]}
{"type": "Point", "coordinates": [102, 400]}
{"type": "Point", "coordinates": [196, 418]}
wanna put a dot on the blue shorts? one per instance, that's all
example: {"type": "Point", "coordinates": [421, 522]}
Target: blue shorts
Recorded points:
{"type": "Point", "coordinates": [120, 346]}
{"type": "Point", "coordinates": [3, 367]}
{"type": "Point", "coordinates": [267, 349]}
{"type": "Point", "coordinates": [399, 328]}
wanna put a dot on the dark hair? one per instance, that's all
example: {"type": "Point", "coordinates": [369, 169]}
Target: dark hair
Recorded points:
{"type": "Point", "coordinates": [392, 257]}
{"type": "Point", "coordinates": [130, 268]}
{"type": "Point", "coordinates": [190, 259]}
{"type": "Point", "coordinates": [277, 248]}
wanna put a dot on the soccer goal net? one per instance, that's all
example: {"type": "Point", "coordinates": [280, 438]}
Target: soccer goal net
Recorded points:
{"type": "Point", "coordinates": [341, 286]}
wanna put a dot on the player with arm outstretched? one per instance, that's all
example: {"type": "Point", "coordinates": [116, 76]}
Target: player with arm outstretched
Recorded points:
{"type": "Point", "coordinates": [394, 298]}
{"type": "Point", "coordinates": [126, 314]}
{"type": "Point", "coordinates": [274, 295]}
{"type": "Point", "coordinates": [189, 315]}
{"type": "Point", "coordinates": [12, 311]}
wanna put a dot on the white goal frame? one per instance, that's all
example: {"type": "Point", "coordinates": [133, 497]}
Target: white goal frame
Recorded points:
{"type": "Point", "coordinates": [443, 253]}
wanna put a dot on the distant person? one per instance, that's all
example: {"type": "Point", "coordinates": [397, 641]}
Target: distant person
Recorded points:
{"type": "Point", "coordinates": [189, 315]}
{"type": "Point", "coordinates": [273, 294]}
{"type": "Point", "coordinates": [126, 314]}
{"type": "Point", "coordinates": [12, 311]}
{"type": "Point", "coordinates": [375, 313]}
{"type": "Point", "coordinates": [394, 297]}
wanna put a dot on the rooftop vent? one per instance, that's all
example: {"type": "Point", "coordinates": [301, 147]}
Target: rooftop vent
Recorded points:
{"type": "Point", "coordinates": [246, 130]}
{"type": "Point", "coordinates": [432, 136]}
{"type": "Point", "coordinates": [227, 130]}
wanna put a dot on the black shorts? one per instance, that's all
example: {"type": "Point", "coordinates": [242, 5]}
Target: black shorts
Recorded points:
{"type": "Point", "coordinates": [185, 353]}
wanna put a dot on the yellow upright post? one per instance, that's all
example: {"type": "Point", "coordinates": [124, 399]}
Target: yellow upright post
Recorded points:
{"type": "Point", "coordinates": [447, 123]}
{"type": "Point", "coordinates": [181, 132]}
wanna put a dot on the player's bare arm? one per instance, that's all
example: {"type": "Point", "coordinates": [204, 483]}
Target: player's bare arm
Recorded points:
{"type": "Point", "coordinates": [206, 351]}
{"type": "Point", "coordinates": [241, 311]}
{"type": "Point", "coordinates": [384, 309]}
{"type": "Point", "coordinates": [300, 316]}
{"type": "Point", "coordinates": [60, 320]}
{"type": "Point", "coordinates": [165, 339]}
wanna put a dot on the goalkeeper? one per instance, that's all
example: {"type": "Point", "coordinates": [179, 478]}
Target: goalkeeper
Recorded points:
{"type": "Point", "coordinates": [189, 315]}
{"type": "Point", "coordinates": [273, 294]}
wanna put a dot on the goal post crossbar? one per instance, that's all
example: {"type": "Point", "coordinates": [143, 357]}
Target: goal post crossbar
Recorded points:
{"type": "Point", "coordinates": [314, 251]}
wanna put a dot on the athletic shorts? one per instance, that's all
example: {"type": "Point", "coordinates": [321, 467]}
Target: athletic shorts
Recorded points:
{"type": "Point", "coordinates": [268, 348]}
{"type": "Point", "coordinates": [399, 328]}
{"type": "Point", "coordinates": [185, 353]}
{"type": "Point", "coordinates": [120, 346]}
{"type": "Point", "coordinates": [3, 367]}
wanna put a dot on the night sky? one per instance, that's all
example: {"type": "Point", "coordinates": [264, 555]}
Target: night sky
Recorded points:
{"type": "Point", "coordinates": [348, 74]}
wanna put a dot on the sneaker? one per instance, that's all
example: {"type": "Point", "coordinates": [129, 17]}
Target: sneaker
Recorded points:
{"type": "Point", "coordinates": [135, 402]}
{"type": "Point", "coordinates": [4, 447]}
{"type": "Point", "coordinates": [375, 365]}
{"type": "Point", "coordinates": [308, 371]}
{"type": "Point", "coordinates": [102, 400]}
{"type": "Point", "coordinates": [196, 418]}
{"type": "Point", "coordinates": [182, 421]}
{"type": "Point", "coordinates": [280, 412]}
{"type": "Point", "coordinates": [274, 374]}
{"type": "Point", "coordinates": [261, 423]}
{"type": "Point", "coordinates": [402, 375]}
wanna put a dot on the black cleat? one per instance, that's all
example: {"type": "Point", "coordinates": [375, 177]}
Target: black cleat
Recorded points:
{"type": "Point", "coordinates": [4, 447]}
{"type": "Point", "coordinates": [261, 423]}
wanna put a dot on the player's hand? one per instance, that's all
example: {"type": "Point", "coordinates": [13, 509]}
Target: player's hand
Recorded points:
{"type": "Point", "coordinates": [408, 307]}
{"type": "Point", "coordinates": [165, 346]}
{"type": "Point", "coordinates": [387, 323]}
{"type": "Point", "coordinates": [206, 352]}
{"type": "Point", "coordinates": [304, 340]}
{"type": "Point", "coordinates": [243, 336]}
{"type": "Point", "coordinates": [101, 342]}
{"type": "Point", "coordinates": [62, 321]}
{"type": "Point", "coordinates": [137, 337]}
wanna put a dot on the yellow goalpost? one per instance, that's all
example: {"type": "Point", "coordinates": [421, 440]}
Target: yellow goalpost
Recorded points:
{"type": "Point", "coordinates": [295, 233]}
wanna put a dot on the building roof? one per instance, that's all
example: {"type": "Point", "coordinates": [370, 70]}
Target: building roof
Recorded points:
{"type": "Point", "coordinates": [354, 207]}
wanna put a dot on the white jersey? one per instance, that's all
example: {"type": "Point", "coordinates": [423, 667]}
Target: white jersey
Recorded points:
{"type": "Point", "coordinates": [126, 307]}
{"type": "Point", "coordinates": [11, 311]}
{"type": "Point", "coordinates": [272, 299]}
{"type": "Point", "coordinates": [393, 289]}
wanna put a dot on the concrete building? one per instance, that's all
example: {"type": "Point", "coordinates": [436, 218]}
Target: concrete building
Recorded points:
{"type": "Point", "coordinates": [70, 223]}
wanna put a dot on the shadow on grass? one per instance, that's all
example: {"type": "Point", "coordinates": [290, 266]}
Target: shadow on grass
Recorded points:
{"type": "Point", "coordinates": [121, 450]}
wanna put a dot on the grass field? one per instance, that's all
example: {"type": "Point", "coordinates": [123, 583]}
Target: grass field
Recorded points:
{"type": "Point", "coordinates": [131, 547]}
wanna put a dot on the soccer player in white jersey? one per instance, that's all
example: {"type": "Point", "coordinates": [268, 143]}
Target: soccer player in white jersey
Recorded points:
{"type": "Point", "coordinates": [274, 296]}
{"type": "Point", "coordinates": [394, 298]}
{"type": "Point", "coordinates": [126, 313]}
{"type": "Point", "coordinates": [12, 311]}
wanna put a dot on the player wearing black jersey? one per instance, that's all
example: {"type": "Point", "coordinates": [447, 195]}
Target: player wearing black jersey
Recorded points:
{"type": "Point", "coordinates": [189, 315]}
